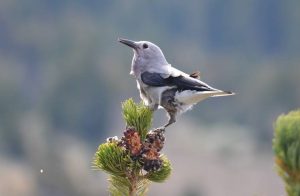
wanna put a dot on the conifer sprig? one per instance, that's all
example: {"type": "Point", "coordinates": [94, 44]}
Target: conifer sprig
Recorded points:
{"type": "Point", "coordinates": [134, 160]}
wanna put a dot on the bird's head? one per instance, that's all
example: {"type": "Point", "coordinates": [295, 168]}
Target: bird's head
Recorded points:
{"type": "Point", "coordinates": [145, 53]}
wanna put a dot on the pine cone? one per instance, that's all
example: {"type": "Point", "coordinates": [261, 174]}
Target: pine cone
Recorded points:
{"type": "Point", "coordinates": [150, 154]}
{"type": "Point", "coordinates": [132, 141]}
{"type": "Point", "coordinates": [152, 165]}
{"type": "Point", "coordinates": [154, 140]}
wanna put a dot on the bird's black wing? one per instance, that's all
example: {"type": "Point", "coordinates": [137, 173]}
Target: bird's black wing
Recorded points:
{"type": "Point", "coordinates": [181, 82]}
{"type": "Point", "coordinates": [154, 79]}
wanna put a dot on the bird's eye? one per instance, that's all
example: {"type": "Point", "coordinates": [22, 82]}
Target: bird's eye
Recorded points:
{"type": "Point", "coordinates": [145, 46]}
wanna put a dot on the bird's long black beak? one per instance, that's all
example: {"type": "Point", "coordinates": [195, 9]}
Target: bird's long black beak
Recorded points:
{"type": "Point", "coordinates": [128, 42]}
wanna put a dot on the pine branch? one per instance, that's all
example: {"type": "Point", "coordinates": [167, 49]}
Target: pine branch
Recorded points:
{"type": "Point", "coordinates": [134, 160]}
{"type": "Point", "coordinates": [286, 146]}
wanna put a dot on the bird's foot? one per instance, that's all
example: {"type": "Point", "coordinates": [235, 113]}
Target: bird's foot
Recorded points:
{"type": "Point", "coordinates": [160, 129]}
{"type": "Point", "coordinates": [163, 128]}
{"type": "Point", "coordinates": [171, 121]}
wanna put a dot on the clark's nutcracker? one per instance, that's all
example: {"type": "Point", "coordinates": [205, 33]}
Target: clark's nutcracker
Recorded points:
{"type": "Point", "coordinates": [161, 85]}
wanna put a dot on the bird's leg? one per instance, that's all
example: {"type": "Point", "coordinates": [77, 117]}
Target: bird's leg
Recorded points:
{"type": "Point", "coordinates": [168, 103]}
{"type": "Point", "coordinates": [172, 118]}
{"type": "Point", "coordinates": [153, 107]}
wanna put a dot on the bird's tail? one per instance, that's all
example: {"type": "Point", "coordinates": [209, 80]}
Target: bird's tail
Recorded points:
{"type": "Point", "coordinates": [192, 97]}
{"type": "Point", "coordinates": [223, 93]}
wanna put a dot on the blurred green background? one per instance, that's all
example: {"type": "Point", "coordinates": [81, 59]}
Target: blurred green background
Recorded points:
{"type": "Point", "coordinates": [63, 76]}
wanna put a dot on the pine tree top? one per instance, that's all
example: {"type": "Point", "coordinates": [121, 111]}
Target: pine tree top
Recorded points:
{"type": "Point", "coordinates": [134, 160]}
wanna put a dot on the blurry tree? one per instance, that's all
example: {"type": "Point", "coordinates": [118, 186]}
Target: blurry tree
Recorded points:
{"type": "Point", "coordinates": [286, 145]}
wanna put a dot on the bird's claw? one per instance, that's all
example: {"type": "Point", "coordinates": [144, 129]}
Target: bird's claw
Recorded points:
{"type": "Point", "coordinates": [162, 129]}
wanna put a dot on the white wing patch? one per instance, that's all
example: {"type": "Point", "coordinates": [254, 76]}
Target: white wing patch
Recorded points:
{"type": "Point", "coordinates": [176, 72]}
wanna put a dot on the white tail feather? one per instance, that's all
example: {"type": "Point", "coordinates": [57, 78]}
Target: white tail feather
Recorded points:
{"type": "Point", "coordinates": [191, 97]}
{"type": "Point", "coordinates": [224, 93]}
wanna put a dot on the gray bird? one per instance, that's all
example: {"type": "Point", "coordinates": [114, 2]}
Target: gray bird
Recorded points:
{"type": "Point", "coordinates": [161, 85]}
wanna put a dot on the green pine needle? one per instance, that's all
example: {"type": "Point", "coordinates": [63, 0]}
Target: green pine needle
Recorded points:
{"type": "Point", "coordinates": [112, 159]}
{"type": "Point", "coordinates": [118, 186]}
{"type": "Point", "coordinates": [138, 116]}
{"type": "Point", "coordinates": [142, 187]}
